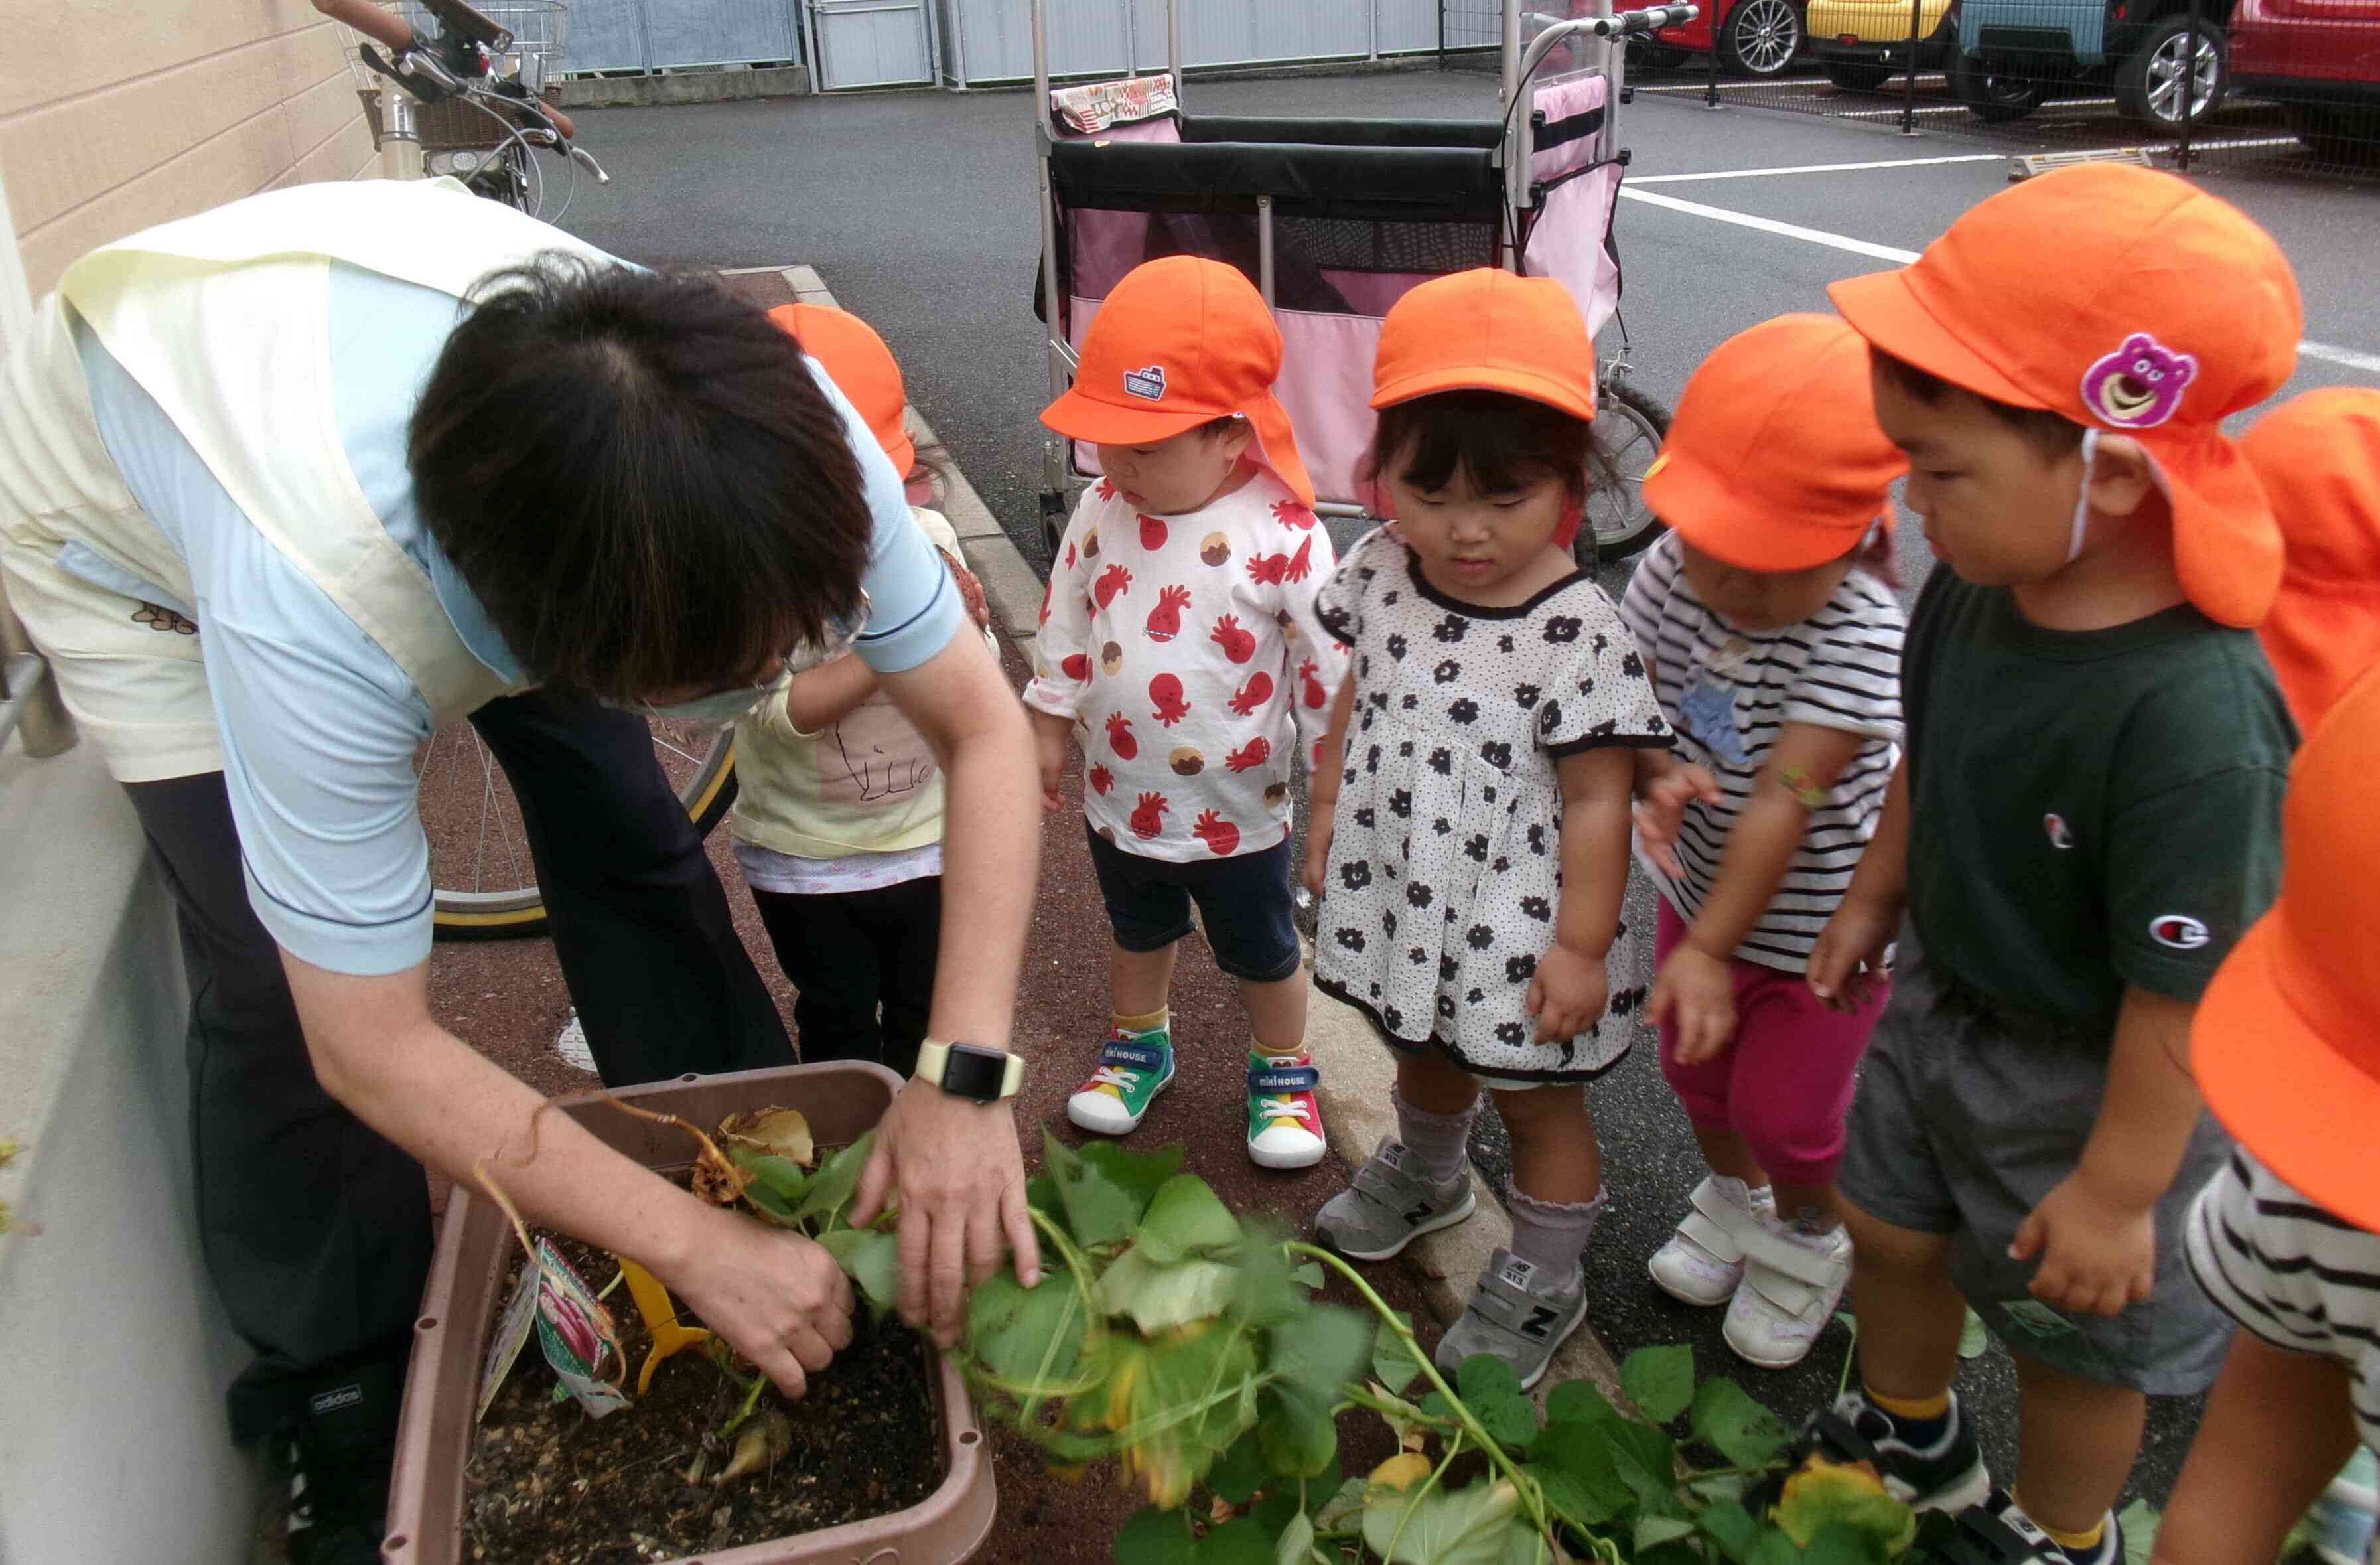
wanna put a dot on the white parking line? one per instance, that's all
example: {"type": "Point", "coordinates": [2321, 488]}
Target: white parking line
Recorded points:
{"type": "Point", "coordinates": [1896, 114]}
{"type": "Point", "coordinates": [1705, 86]}
{"type": "Point", "coordinates": [1817, 168]}
{"type": "Point", "coordinates": [2347, 358]}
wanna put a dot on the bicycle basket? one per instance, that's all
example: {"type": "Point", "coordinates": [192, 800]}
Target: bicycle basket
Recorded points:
{"type": "Point", "coordinates": [538, 28]}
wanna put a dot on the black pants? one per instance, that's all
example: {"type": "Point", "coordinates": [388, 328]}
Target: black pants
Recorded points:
{"type": "Point", "coordinates": [849, 952]}
{"type": "Point", "coordinates": [315, 1230]}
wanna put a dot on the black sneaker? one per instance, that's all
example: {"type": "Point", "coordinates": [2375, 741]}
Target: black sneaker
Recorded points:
{"type": "Point", "coordinates": [1997, 1531]}
{"type": "Point", "coordinates": [340, 1452]}
{"type": "Point", "coordinates": [1946, 1476]}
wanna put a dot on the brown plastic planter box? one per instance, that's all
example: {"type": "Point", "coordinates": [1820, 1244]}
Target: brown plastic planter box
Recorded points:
{"type": "Point", "coordinates": [841, 1101]}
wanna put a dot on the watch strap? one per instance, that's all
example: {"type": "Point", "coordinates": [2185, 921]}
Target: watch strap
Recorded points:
{"type": "Point", "coordinates": [933, 1060]}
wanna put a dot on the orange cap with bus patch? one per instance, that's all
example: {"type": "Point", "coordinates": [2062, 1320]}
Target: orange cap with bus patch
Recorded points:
{"type": "Point", "coordinates": [2283, 1043]}
{"type": "Point", "coordinates": [1179, 343]}
{"type": "Point", "coordinates": [2319, 458]}
{"type": "Point", "coordinates": [862, 368]}
{"type": "Point", "coordinates": [2126, 301]}
{"type": "Point", "coordinates": [1487, 330]}
{"type": "Point", "coordinates": [1775, 460]}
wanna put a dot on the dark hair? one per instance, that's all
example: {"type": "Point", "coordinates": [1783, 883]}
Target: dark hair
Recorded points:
{"type": "Point", "coordinates": [1502, 442]}
{"type": "Point", "coordinates": [1879, 558]}
{"type": "Point", "coordinates": [638, 478]}
{"type": "Point", "coordinates": [1215, 429]}
{"type": "Point", "coordinates": [2051, 433]}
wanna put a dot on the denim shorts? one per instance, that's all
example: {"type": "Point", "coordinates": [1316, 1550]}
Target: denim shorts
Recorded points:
{"type": "Point", "coordinates": [1243, 902]}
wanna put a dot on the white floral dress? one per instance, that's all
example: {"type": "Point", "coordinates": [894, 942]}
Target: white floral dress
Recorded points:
{"type": "Point", "coordinates": [1445, 871]}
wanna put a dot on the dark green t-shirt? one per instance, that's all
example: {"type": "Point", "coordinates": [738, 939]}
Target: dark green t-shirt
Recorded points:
{"type": "Point", "coordinates": [2091, 810]}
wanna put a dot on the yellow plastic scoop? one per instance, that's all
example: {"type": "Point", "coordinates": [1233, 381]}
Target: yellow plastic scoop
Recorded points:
{"type": "Point", "coordinates": [661, 1319]}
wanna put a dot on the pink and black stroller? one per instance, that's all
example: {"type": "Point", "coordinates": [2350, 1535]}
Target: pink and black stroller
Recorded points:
{"type": "Point", "coordinates": [1334, 219]}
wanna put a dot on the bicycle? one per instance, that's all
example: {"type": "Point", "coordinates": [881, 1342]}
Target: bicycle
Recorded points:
{"type": "Point", "coordinates": [466, 101]}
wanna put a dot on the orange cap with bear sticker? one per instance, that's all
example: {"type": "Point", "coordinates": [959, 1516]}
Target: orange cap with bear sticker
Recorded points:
{"type": "Point", "coordinates": [2283, 1043]}
{"type": "Point", "coordinates": [2126, 301]}
{"type": "Point", "coordinates": [1179, 343]}
{"type": "Point", "coordinates": [2319, 458]}
{"type": "Point", "coordinates": [862, 368]}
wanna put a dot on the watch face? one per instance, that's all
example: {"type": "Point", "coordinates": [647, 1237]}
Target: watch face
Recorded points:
{"type": "Point", "coordinates": [975, 1073]}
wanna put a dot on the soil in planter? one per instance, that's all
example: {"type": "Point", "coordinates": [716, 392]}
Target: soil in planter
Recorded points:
{"type": "Point", "coordinates": [547, 1486]}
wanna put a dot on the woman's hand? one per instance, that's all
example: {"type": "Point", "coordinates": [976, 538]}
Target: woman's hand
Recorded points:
{"type": "Point", "coordinates": [1697, 989]}
{"type": "Point", "coordinates": [960, 1176]}
{"type": "Point", "coordinates": [1662, 807]}
{"type": "Point", "coordinates": [1568, 993]}
{"type": "Point", "coordinates": [778, 1299]}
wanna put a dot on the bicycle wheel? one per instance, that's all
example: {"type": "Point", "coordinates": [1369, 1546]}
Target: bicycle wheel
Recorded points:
{"type": "Point", "coordinates": [1629, 426]}
{"type": "Point", "coordinates": [479, 862]}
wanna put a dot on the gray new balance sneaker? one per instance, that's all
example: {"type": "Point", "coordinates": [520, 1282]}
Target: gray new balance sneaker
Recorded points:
{"type": "Point", "coordinates": [1520, 1312]}
{"type": "Point", "coordinates": [1391, 1204]}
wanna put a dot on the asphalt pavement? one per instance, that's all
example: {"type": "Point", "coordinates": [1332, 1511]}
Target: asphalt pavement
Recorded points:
{"type": "Point", "coordinates": [917, 209]}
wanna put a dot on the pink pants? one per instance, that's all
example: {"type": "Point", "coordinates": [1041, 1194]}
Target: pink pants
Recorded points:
{"type": "Point", "coordinates": [1784, 1083]}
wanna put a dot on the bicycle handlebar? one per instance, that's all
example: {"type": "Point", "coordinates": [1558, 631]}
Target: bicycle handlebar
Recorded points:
{"type": "Point", "coordinates": [384, 28]}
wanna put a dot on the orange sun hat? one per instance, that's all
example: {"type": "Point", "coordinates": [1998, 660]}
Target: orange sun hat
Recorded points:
{"type": "Point", "coordinates": [861, 367]}
{"type": "Point", "coordinates": [1487, 330]}
{"type": "Point", "coordinates": [1179, 343]}
{"type": "Point", "coordinates": [2319, 458]}
{"type": "Point", "coordinates": [2284, 1044]}
{"type": "Point", "coordinates": [1774, 461]}
{"type": "Point", "coordinates": [2129, 301]}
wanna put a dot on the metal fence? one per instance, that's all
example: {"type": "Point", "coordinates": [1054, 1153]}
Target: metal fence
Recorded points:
{"type": "Point", "coordinates": [2287, 86]}
{"type": "Point", "coordinates": [651, 35]}
{"type": "Point", "coordinates": [990, 41]}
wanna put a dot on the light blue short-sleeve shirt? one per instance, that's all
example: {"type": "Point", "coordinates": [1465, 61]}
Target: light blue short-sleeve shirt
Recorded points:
{"type": "Point", "coordinates": [318, 725]}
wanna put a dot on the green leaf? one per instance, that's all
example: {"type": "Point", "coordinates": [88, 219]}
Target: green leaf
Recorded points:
{"type": "Point", "coordinates": [1434, 1527]}
{"type": "Point", "coordinates": [1660, 1381]}
{"type": "Point", "coordinates": [1824, 1494]}
{"type": "Point", "coordinates": [1524, 1546]}
{"type": "Point", "coordinates": [1296, 1545]}
{"type": "Point", "coordinates": [1730, 1422]}
{"type": "Point", "coordinates": [1652, 1531]}
{"type": "Point", "coordinates": [1137, 1174]}
{"type": "Point", "coordinates": [1485, 1374]}
{"type": "Point", "coordinates": [782, 1176]}
{"type": "Point", "coordinates": [1183, 1220]}
{"type": "Point", "coordinates": [1653, 1452]}
{"type": "Point", "coordinates": [1656, 1492]}
{"type": "Point", "coordinates": [1099, 1210]}
{"type": "Point", "coordinates": [1155, 1538]}
{"type": "Point", "coordinates": [1286, 1500]}
{"type": "Point", "coordinates": [2140, 1521]}
{"type": "Point", "coordinates": [1972, 1338]}
{"type": "Point", "coordinates": [1572, 1499]}
{"type": "Point", "coordinates": [1774, 1547]}
{"type": "Point", "coordinates": [1320, 1351]}
{"type": "Point", "coordinates": [1509, 1418]}
{"type": "Point", "coordinates": [1026, 1338]}
{"type": "Point", "coordinates": [1731, 1527]}
{"type": "Point", "coordinates": [1585, 1451]}
{"type": "Point", "coordinates": [873, 1259]}
{"type": "Point", "coordinates": [1345, 1504]}
{"type": "Point", "coordinates": [1157, 1297]}
{"type": "Point", "coordinates": [1394, 1364]}
{"type": "Point", "coordinates": [1434, 1405]}
{"type": "Point", "coordinates": [1237, 1542]}
{"type": "Point", "coordinates": [1579, 1401]}
{"type": "Point", "coordinates": [1240, 1473]}
{"type": "Point", "coordinates": [1180, 1432]}
{"type": "Point", "coordinates": [1308, 1276]}
{"type": "Point", "coordinates": [1295, 1432]}
{"type": "Point", "coordinates": [1317, 1492]}
{"type": "Point", "coordinates": [1844, 1543]}
{"type": "Point", "coordinates": [1042, 1195]}
{"type": "Point", "coordinates": [831, 1187]}
{"type": "Point", "coordinates": [1268, 1293]}
{"type": "Point", "coordinates": [770, 1204]}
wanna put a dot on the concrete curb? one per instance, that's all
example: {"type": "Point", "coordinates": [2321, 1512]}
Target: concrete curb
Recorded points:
{"type": "Point", "coordinates": [1358, 1073]}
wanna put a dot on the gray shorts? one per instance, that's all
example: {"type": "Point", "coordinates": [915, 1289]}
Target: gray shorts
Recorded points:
{"type": "Point", "coordinates": [1962, 1124]}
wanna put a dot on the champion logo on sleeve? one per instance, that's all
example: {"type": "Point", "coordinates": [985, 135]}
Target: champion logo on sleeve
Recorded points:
{"type": "Point", "coordinates": [2179, 932]}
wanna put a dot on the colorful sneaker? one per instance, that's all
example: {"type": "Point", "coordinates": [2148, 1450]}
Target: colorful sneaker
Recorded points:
{"type": "Point", "coordinates": [1518, 1313]}
{"type": "Point", "coordinates": [1945, 1473]}
{"type": "Point", "coordinates": [1391, 1202]}
{"type": "Point", "coordinates": [1997, 1531]}
{"type": "Point", "coordinates": [1792, 1280]}
{"type": "Point", "coordinates": [1284, 1122]}
{"type": "Point", "coordinates": [1133, 1068]}
{"type": "Point", "coordinates": [1703, 1260]}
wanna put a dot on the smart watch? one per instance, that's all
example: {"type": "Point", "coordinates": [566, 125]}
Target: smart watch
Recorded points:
{"type": "Point", "coordinates": [970, 1070]}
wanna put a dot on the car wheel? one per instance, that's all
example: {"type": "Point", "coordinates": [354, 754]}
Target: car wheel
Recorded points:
{"type": "Point", "coordinates": [1993, 92]}
{"type": "Point", "coordinates": [2151, 84]}
{"type": "Point", "coordinates": [1854, 77]}
{"type": "Point", "coordinates": [2333, 135]}
{"type": "Point", "coordinates": [1760, 37]}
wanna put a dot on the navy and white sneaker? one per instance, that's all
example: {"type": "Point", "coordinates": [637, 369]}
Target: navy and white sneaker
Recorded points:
{"type": "Point", "coordinates": [1392, 1201]}
{"type": "Point", "coordinates": [1945, 1473]}
{"type": "Point", "coordinates": [1997, 1531]}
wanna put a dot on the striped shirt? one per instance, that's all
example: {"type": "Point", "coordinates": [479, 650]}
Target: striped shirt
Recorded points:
{"type": "Point", "coordinates": [1729, 693]}
{"type": "Point", "coordinates": [2293, 1274]}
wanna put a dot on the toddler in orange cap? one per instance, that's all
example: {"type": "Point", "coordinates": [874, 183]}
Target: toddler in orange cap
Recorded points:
{"type": "Point", "coordinates": [1471, 816]}
{"type": "Point", "coordinates": [1774, 636]}
{"type": "Point", "coordinates": [838, 816]}
{"type": "Point", "coordinates": [1178, 649]}
{"type": "Point", "coordinates": [2318, 457]}
{"type": "Point", "coordinates": [2287, 1238]}
{"type": "Point", "coordinates": [2085, 819]}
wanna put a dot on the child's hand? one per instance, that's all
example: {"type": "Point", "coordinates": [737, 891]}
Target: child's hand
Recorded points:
{"type": "Point", "coordinates": [1663, 807]}
{"type": "Point", "coordinates": [1050, 749]}
{"type": "Point", "coordinates": [1847, 962]}
{"type": "Point", "coordinates": [1320, 825]}
{"type": "Point", "coordinates": [1700, 990]}
{"type": "Point", "coordinates": [2099, 1254]}
{"type": "Point", "coordinates": [970, 590]}
{"type": "Point", "coordinates": [1568, 994]}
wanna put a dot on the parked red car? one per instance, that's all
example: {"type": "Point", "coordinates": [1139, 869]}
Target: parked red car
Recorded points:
{"type": "Point", "coordinates": [1756, 38]}
{"type": "Point", "coordinates": [2318, 59]}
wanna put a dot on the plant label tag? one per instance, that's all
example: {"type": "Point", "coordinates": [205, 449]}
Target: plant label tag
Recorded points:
{"type": "Point", "coordinates": [506, 1343]}
{"type": "Point", "coordinates": [567, 1329]}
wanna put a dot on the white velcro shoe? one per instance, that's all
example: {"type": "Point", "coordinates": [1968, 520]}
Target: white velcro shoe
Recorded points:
{"type": "Point", "coordinates": [1792, 1280]}
{"type": "Point", "coordinates": [1703, 1260]}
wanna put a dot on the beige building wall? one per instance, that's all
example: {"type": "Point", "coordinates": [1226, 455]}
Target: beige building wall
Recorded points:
{"type": "Point", "coordinates": [119, 114]}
